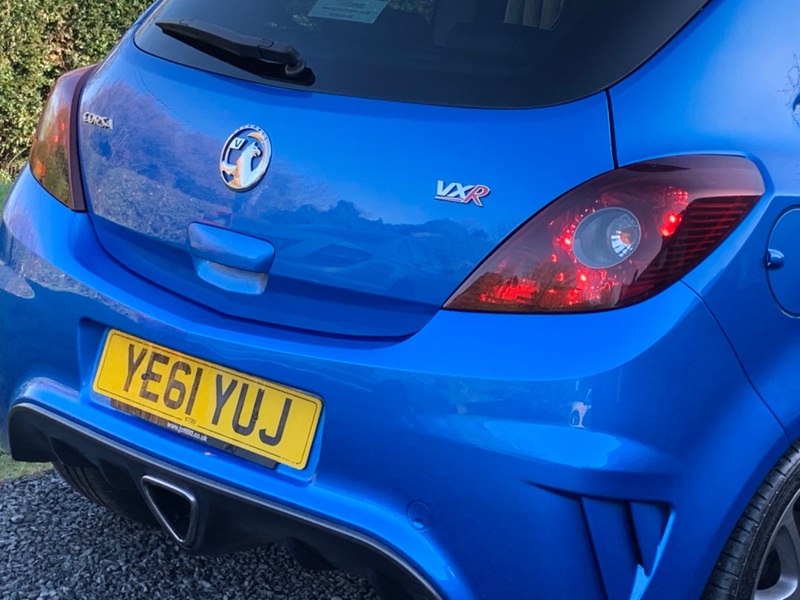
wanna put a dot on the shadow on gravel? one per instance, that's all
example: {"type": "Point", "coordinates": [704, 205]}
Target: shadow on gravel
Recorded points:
{"type": "Point", "coordinates": [56, 544]}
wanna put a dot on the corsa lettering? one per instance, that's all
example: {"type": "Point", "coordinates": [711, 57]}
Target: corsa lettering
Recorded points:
{"type": "Point", "coordinates": [98, 121]}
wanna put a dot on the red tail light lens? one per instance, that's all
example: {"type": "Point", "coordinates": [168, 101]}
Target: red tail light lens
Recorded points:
{"type": "Point", "coordinates": [616, 240]}
{"type": "Point", "coordinates": [51, 157]}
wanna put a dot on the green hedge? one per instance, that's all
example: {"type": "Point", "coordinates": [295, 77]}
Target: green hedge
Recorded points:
{"type": "Point", "coordinates": [40, 40]}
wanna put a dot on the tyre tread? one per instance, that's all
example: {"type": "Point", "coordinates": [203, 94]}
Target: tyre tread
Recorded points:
{"type": "Point", "coordinates": [726, 579]}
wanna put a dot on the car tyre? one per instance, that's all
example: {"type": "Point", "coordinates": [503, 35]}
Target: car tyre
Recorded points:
{"type": "Point", "coordinates": [761, 559]}
{"type": "Point", "coordinates": [90, 483]}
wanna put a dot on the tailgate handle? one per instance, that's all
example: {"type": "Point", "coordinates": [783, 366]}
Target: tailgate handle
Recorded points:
{"type": "Point", "coordinates": [230, 260]}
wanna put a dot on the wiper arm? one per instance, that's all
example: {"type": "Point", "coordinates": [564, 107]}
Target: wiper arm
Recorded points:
{"type": "Point", "coordinates": [244, 51]}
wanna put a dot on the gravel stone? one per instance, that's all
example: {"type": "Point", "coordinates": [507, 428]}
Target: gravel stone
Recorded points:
{"type": "Point", "coordinates": [54, 544]}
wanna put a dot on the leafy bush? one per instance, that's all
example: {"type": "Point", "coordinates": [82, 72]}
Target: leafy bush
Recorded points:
{"type": "Point", "coordinates": [40, 40]}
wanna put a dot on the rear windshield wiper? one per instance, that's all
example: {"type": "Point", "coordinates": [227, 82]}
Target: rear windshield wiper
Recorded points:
{"type": "Point", "coordinates": [253, 54]}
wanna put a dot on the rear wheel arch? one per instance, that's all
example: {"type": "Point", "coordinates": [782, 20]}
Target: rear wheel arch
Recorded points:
{"type": "Point", "coordinates": [761, 557]}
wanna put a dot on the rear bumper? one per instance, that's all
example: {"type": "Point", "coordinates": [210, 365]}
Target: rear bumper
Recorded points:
{"type": "Point", "coordinates": [580, 456]}
{"type": "Point", "coordinates": [229, 520]}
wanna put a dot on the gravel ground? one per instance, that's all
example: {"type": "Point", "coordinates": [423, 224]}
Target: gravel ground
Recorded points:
{"type": "Point", "coordinates": [56, 544]}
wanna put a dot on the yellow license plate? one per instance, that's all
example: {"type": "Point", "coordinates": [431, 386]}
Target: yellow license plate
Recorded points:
{"type": "Point", "coordinates": [207, 402]}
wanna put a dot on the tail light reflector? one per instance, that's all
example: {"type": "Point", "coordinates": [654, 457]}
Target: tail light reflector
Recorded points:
{"type": "Point", "coordinates": [53, 159]}
{"type": "Point", "coordinates": [617, 239]}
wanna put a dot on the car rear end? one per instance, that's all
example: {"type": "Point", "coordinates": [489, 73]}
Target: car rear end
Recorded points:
{"type": "Point", "coordinates": [375, 286]}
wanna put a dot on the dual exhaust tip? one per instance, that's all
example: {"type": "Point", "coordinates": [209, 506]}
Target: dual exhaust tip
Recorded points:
{"type": "Point", "coordinates": [175, 508]}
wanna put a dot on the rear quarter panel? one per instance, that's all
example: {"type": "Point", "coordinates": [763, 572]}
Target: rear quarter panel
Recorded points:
{"type": "Point", "coordinates": [730, 84]}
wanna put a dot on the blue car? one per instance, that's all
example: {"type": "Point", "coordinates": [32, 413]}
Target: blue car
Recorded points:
{"type": "Point", "coordinates": [479, 299]}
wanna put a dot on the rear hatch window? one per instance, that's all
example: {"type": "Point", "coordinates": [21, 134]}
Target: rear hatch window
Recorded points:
{"type": "Point", "coordinates": [477, 53]}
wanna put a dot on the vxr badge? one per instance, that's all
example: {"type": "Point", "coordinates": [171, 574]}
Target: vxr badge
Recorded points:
{"type": "Point", "coordinates": [463, 194]}
{"type": "Point", "coordinates": [245, 158]}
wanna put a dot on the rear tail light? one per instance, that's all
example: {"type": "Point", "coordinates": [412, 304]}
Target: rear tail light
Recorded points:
{"type": "Point", "coordinates": [53, 156]}
{"type": "Point", "coordinates": [617, 239]}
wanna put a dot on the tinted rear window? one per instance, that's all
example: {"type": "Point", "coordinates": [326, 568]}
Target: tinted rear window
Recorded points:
{"type": "Point", "coordinates": [480, 53]}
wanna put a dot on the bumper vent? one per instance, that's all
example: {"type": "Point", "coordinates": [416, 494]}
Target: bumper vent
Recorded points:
{"type": "Point", "coordinates": [627, 538]}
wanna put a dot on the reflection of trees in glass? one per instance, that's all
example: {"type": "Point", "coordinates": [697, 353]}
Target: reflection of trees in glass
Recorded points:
{"type": "Point", "coordinates": [299, 9]}
{"type": "Point", "coordinates": [541, 14]}
{"type": "Point", "coordinates": [422, 7]}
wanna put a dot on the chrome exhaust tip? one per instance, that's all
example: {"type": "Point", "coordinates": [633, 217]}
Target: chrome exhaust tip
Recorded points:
{"type": "Point", "coordinates": [175, 508]}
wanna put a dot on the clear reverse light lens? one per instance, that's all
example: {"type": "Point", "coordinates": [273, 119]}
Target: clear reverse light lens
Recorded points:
{"type": "Point", "coordinates": [606, 237]}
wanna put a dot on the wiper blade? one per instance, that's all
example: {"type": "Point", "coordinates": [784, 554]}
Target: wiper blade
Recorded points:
{"type": "Point", "coordinates": [250, 53]}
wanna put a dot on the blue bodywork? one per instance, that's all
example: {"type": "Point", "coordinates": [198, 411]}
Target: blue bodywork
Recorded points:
{"type": "Point", "coordinates": [604, 455]}
{"type": "Point", "coordinates": [362, 247]}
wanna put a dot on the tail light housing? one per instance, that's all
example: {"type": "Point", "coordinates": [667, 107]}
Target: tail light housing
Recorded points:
{"type": "Point", "coordinates": [53, 155]}
{"type": "Point", "coordinates": [617, 239]}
